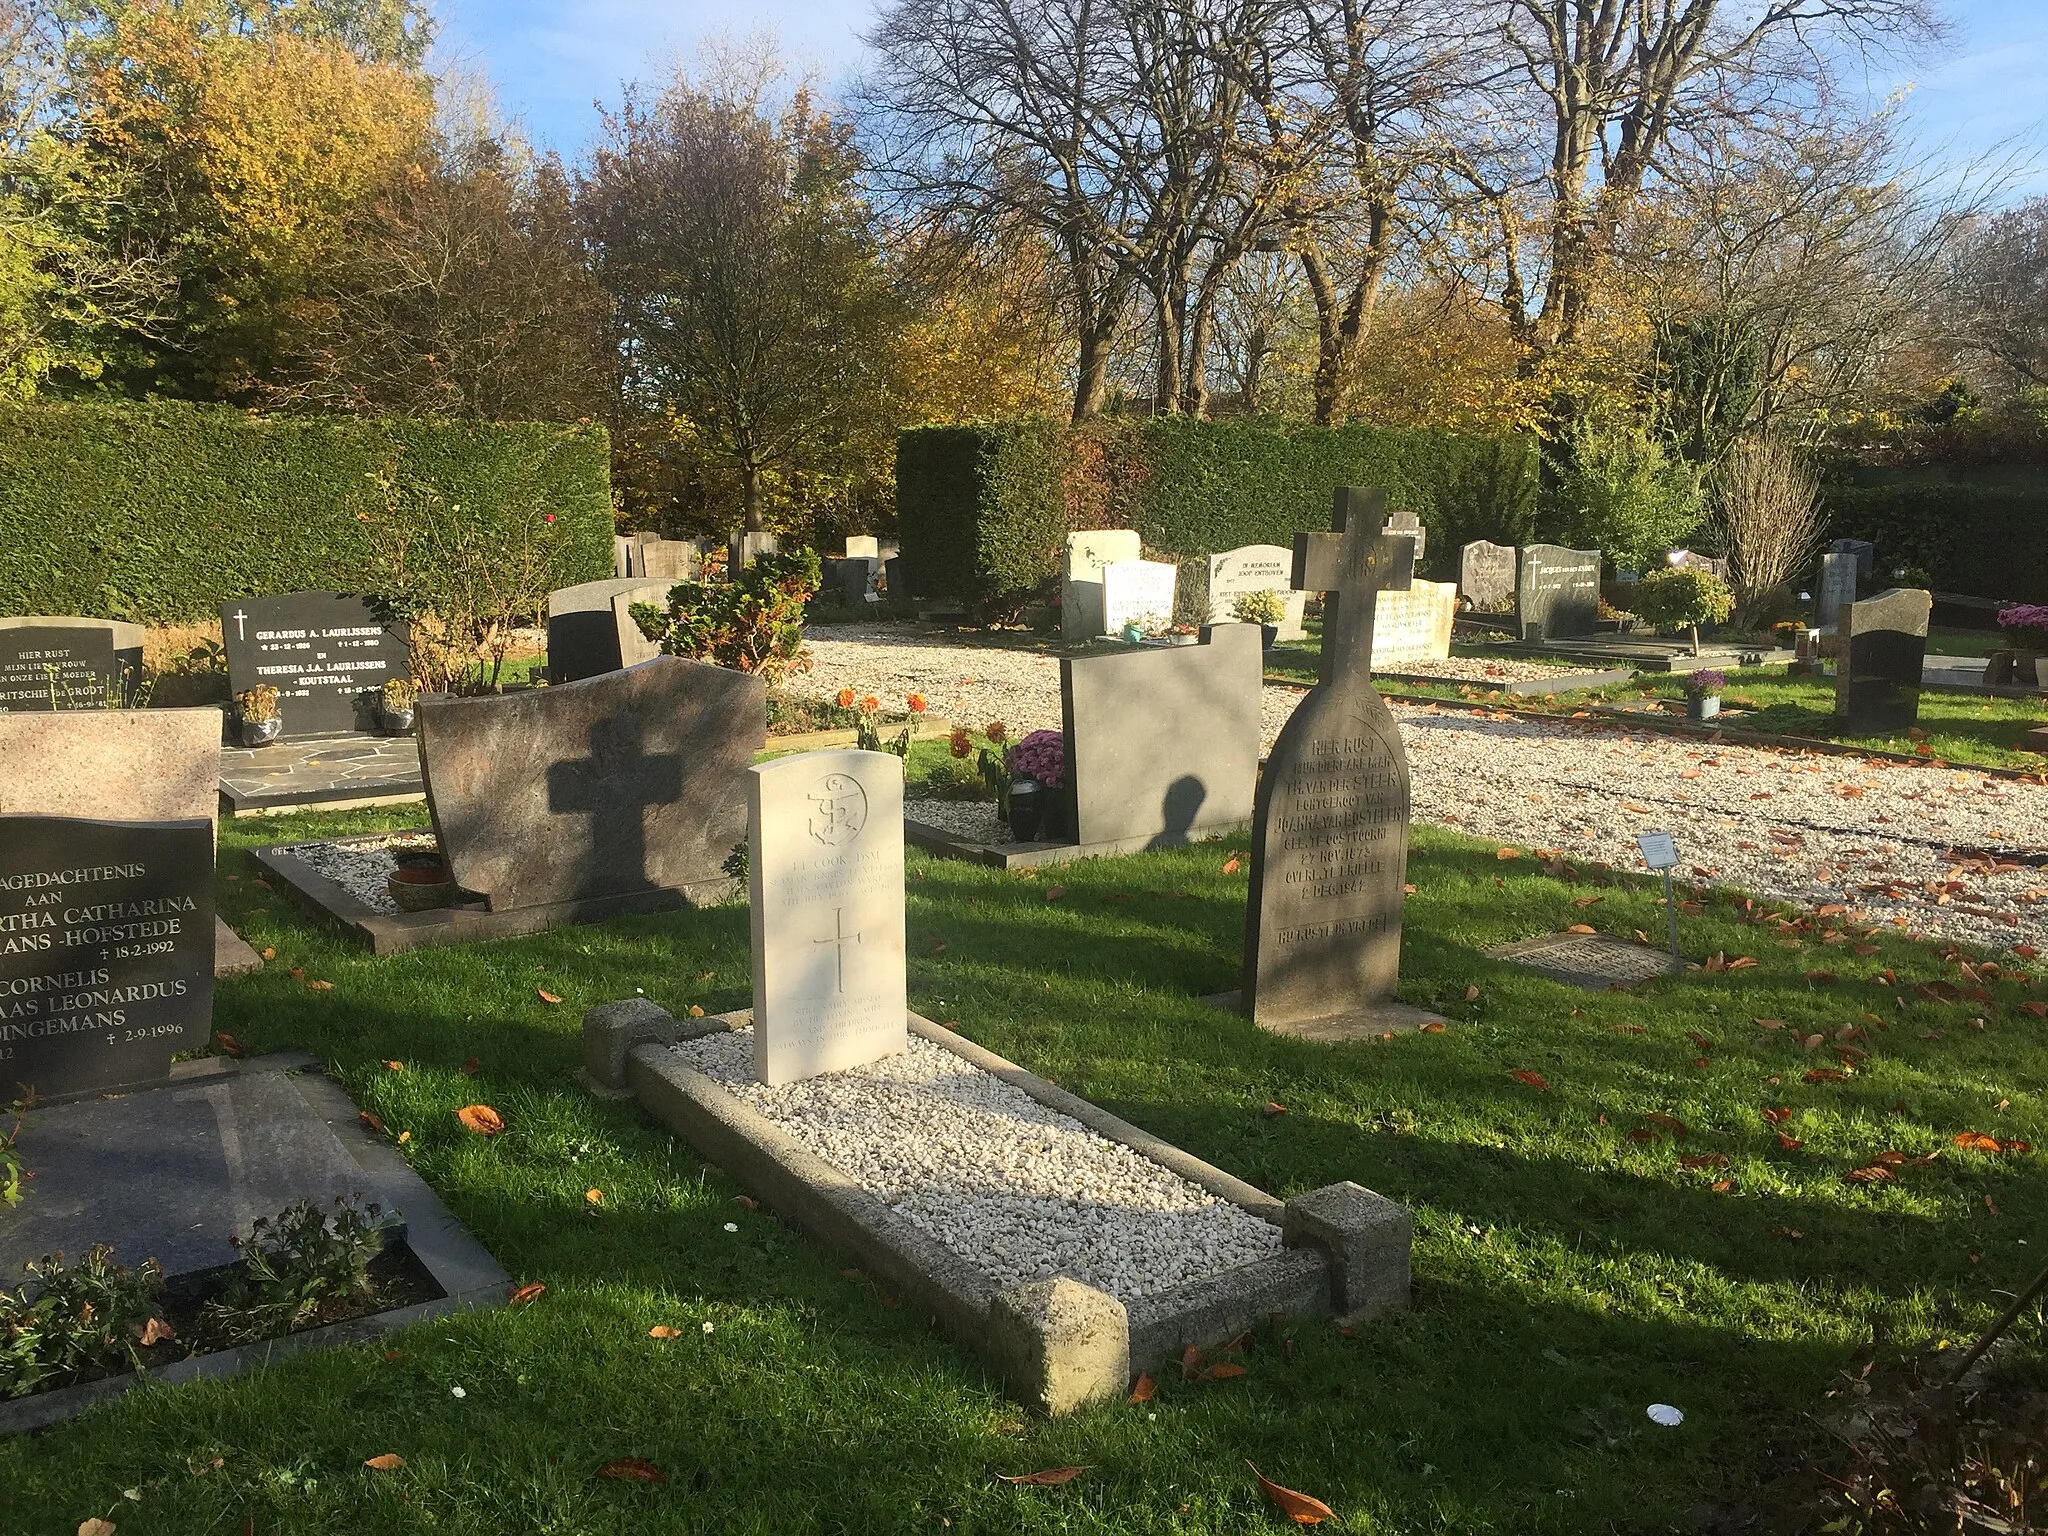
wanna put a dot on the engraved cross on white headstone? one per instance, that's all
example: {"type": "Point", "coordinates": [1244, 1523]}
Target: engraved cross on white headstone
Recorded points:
{"type": "Point", "coordinates": [841, 938]}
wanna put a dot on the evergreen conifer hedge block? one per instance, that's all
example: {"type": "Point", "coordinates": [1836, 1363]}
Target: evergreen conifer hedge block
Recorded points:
{"type": "Point", "coordinates": [984, 510]}
{"type": "Point", "coordinates": [161, 512]}
{"type": "Point", "coordinates": [1978, 537]}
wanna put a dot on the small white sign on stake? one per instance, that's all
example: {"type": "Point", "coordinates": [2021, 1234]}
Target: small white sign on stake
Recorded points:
{"type": "Point", "coordinates": [1660, 850]}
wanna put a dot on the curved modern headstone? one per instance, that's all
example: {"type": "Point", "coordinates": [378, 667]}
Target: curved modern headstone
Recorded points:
{"type": "Point", "coordinates": [629, 788]}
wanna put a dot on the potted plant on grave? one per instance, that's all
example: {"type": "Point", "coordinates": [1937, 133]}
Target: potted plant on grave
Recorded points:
{"type": "Point", "coordinates": [867, 736]}
{"type": "Point", "coordinates": [256, 712]}
{"type": "Point", "coordinates": [422, 881]}
{"type": "Point", "coordinates": [993, 763]}
{"type": "Point", "coordinates": [1265, 609]}
{"type": "Point", "coordinates": [2026, 627]}
{"type": "Point", "coordinates": [1133, 632]}
{"type": "Point", "coordinates": [1683, 598]}
{"type": "Point", "coordinates": [1703, 694]}
{"type": "Point", "coordinates": [1041, 800]}
{"type": "Point", "coordinates": [394, 706]}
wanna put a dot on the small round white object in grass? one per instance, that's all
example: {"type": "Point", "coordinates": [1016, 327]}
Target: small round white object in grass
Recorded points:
{"type": "Point", "coordinates": [1665, 1414]}
{"type": "Point", "coordinates": [732, 1226]}
{"type": "Point", "coordinates": [707, 1327]}
{"type": "Point", "coordinates": [457, 1392]}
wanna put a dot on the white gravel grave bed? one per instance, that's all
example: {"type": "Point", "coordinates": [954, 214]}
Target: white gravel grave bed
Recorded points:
{"type": "Point", "coordinates": [1483, 671]}
{"type": "Point", "coordinates": [974, 820]}
{"type": "Point", "coordinates": [362, 866]}
{"type": "Point", "coordinates": [1020, 1191]}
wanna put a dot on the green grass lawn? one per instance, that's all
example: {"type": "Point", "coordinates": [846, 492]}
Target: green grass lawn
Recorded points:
{"type": "Point", "coordinates": [1569, 1272]}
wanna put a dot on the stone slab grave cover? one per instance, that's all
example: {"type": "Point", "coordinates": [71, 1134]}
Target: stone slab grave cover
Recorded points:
{"type": "Point", "coordinates": [626, 788]}
{"type": "Point", "coordinates": [1322, 950]}
{"type": "Point", "coordinates": [1139, 591]}
{"type": "Point", "coordinates": [1081, 616]}
{"type": "Point", "coordinates": [825, 877]}
{"type": "Point", "coordinates": [327, 654]}
{"type": "Point", "coordinates": [52, 663]}
{"type": "Point", "coordinates": [1836, 588]}
{"type": "Point", "coordinates": [1486, 576]}
{"type": "Point", "coordinates": [1256, 568]}
{"type": "Point", "coordinates": [583, 627]}
{"type": "Point", "coordinates": [1415, 624]}
{"type": "Point", "coordinates": [1163, 743]}
{"type": "Point", "coordinates": [175, 1172]}
{"type": "Point", "coordinates": [1559, 594]}
{"type": "Point", "coordinates": [1880, 649]}
{"type": "Point", "coordinates": [1595, 961]}
{"type": "Point", "coordinates": [106, 896]}
{"type": "Point", "coordinates": [333, 772]}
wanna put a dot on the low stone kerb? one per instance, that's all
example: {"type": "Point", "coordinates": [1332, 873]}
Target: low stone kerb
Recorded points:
{"type": "Point", "coordinates": [1368, 1238]}
{"type": "Point", "coordinates": [1061, 1344]}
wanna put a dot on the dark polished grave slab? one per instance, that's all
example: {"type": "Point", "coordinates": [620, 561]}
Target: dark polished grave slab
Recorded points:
{"type": "Point", "coordinates": [332, 772]}
{"type": "Point", "coordinates": [106, 951]}
{"type": "Point", "coordinates": [1880, 649]}
{"type": "Point", "coordinates": [56, 663]}
{"type": "Point", "coordinates": [174, 1172]}
{"type": "Point", "coordinates": [1558, 595]}
{"type": "Point", "coordinates": [327, 654]}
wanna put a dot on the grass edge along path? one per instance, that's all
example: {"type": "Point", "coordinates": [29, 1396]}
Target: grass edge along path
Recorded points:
{"type": "Point", "coordinates": [1605, 1218]}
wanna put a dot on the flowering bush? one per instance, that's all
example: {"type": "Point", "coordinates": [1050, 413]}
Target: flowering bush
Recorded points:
{"type": "Point", "coordinates": [2028, 620]}
{"type": "Point", "coordinates": [1042, 756]}
{"type": "Point", "coordinates": [1706, 683]}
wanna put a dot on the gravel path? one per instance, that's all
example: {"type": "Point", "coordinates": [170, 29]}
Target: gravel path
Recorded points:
{"type": "Point", "coordinates": [1483, 670]}
{"type": "Point", "coordinates": [1018, 1190]}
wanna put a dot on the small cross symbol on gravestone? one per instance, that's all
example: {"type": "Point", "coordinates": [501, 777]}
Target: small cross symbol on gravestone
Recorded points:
{"type": "Point", "coordinates": [1352, 565]}
{"type": "Point", "coordinates": [241, 625]}
{"type": "Point", "coordinates": [840, 939]}
{"type": "Point", "coordinates": [615, 785]}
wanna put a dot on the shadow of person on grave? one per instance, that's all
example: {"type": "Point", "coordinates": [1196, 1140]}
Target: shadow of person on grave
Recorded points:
{"type": "Point", "coordinates": [614, 786]}
{"type": "Point", "coordinates": [1179, 809]}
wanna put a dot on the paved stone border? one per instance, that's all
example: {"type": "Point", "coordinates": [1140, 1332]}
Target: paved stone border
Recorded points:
{"type": "Point", "coordinates": [386, 933]}
{"type": "Point", "coordinates": [466, 1273]}
{"type": "Point", "coordinates": [950, 845]}
{"type": "Point", "coordinates": [1058, 1344]}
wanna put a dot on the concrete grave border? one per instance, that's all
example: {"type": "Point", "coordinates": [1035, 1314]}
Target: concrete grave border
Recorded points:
{"type": "Point", "coordinates": [1059, 1345]}
{"type": "Point", "coordinates": [456, 1261]}
{"type": "Point", "coordinates": [950, 845]}
{"type": "Point", "coordinates": [387, 933]}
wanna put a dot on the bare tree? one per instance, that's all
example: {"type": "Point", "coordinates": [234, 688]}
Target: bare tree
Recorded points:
{"type": "Point", "coordinates": [1767, 507]}
{"type": "Point", "coordinates": [2001, 286]}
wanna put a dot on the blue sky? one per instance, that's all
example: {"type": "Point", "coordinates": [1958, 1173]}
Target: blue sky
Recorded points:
{"type": "Point", "coordinates": [551, 59]}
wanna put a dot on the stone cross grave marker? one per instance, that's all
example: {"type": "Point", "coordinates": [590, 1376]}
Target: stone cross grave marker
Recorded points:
{"type": "Point", "coordinates": [1559, 596]}
{"type": "Point", "coordinates": [1137, 590]}
{"type": "Point", "coordinates": [1330, 832]}
{"type": "Point", "coordinates": [1403, 521]}
{"type": "Point", "coordinates": [825, 873]}
{"type": "Point", "coordinates": [1081, 577]}
{"type": "Point", "coordinates": [1837, 587]}
{"type": "Point", "coordinates": [1486, 576]}
{"type": "Point", "coordinates": [327, 655]}
{"type": "Point", "coordinates": [1256, 568]}
{"type": "Point", "coordinates": [1880, 648]}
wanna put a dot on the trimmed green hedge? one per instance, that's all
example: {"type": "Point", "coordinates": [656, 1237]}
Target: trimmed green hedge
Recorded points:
{"type": "Point", "coordinates": [1981, 536]}
{"type": "Point", "coordinates": [162, 512]}
{"type": "Point", "coordinates": [984, 511]}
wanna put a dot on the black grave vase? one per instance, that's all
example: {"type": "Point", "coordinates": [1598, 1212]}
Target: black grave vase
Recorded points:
{"type": "Point", "coordinates": [1027, 810]}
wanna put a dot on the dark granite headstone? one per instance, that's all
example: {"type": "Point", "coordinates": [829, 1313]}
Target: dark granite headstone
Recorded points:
{"type": "Point", "coordinates": [106, 950]}
{"type": "Point", "coordinates": [1864, 551]}
{"type": "Point", "coordinates": [66, 663]}
{"type": "Point", "coordinates": [1486, 576]}
{"type": "Point", "coordinates": [1163, 742]}
{"type": "Point", "coordinates": [853, 577]}
{"type": "Point", "coordinates": [583, 633]}
{"type": "Point", "coordinates": [327, 655]}
{"type": "Point", "coordinates": [1559, 593]}
{"type": "Point", "coordinates": [1880, 646]}
{"type": "Point", "coordinates": [1837, 586]}
{"type": "Point", "coordinates": [625, 784]}
{"type": "Point", "coordinates": [1330, 832]}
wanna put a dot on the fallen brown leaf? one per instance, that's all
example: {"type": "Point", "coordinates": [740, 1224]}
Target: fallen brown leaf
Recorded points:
{"type": "Point", "coordinates": [1232, 866]}
{"type": "Point", "coordinates": [481, 1118]}
{"type": "Point", "coordinates": [1301, 1508]}
{"type": "Point", "coordinates": [1055, 892]}
{"type": "Point", "coordinates": [1704, 1160]}
{"type": "Point", "coordinates": [319, 986]}
{"type": "Point", "coordinates": [526, 1294]}
{"type": "Point", "coordinates": [1190, 1363]}
{"type": "Point", "coordinates": [155, 1331]}
{"type": "Point", "coordinates": [545, 995]}
{"type": "Point", "coordinates": [1143, 1389]}
{"type": "Point", "coordinates": [1273, 1109]}
{"type": "Point", "coordinates": [1582, 928]}
{"type": "Point", "coordinates": [1472, 994]}
{"type": "Point", "coordinates": [593, 1197]}
{"type": "Point", "coordinates": [1533, 1079]}
{"type": "Point", "coordinates": [1051, 1477]}
{"type": "Point", "coordinates": [374, 1122]}
{"type": "Point", "coordinates": [633, 1469]}
{"type": "Point", "coordinates": [390, 1461]}
{"type": "Point", "coordinates": [471, 1067]}
{"type": "Point", "coordinates": [1825, 1075]}
{"type": "Point", "coordinates": [663, 1331]}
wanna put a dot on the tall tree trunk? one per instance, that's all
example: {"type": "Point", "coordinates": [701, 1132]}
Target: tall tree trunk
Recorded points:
{"type": "Point", "coordinates": [1342, 320]}
{"type": "Point", "coordinates": [750, 474]}
{"type": "Point", "coordinates": [1194, 397]}
{"type": "Point", "coordinates": [1167, 308]}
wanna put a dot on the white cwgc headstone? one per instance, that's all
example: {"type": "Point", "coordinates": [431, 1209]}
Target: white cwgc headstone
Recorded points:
{"type": "Point", "coordinates": [863, 546]}
{"type": "Point", "coordinates": [1081, 579]}
{"type": "Point", "coordinates": [825, 877]}
{"type": "Point", "coordinates": [1140, 590]}
{"type": "Point", "coordinates": [1414, 624]}
{"type": "Point", "coordinates": [1255, 568]}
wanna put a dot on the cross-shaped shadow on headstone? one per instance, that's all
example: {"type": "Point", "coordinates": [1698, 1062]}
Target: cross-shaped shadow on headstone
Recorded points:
{"type": "Point", "coordinates": [615, 786]}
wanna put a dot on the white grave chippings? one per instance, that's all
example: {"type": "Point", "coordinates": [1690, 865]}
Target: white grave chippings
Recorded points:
{"type": "Point", "coordinates": [363, 866]}
{"type": "Point", "coordinates": [1017, 1189]}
